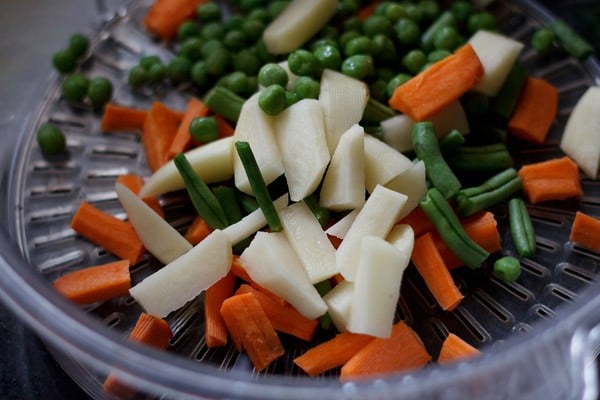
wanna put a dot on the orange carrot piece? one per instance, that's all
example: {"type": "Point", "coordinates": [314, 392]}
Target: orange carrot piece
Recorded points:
{"type": "Point", "coordinates": [116, 236]}
{"type": "Point", "coordinates": [251, 330]}
{"type": "Point", "coordinates": [238, 269]}
{"type": "Point", "coordinates": [434, 271]}
{"type": "Point", "coordinates": [284, 317]}
{"type": "Point", "coordinates": [198, 230]}
{"type": "Point", "coordinates": [535, 111]}
{"type": "Point", "coordinates": [333, 353]}
{"type": "Point", "coordinates": [418, 221]}
{"type": "Point", "coordinates": [439, 85]}
{"type": "Point", "coordinates": [214, 326]}
{"type": "Point", "coordinates": [586, 231]}
{"type": "Point", "coordinates": [554, 179]}
{"type": "Point", "coordinates": [97, 283]}
{"type": "Point", "coordinates": [135, 183]}
{"type": "Point", "coordinates": [454, 348]}
{"type": "Point", "coordinates": [225, 128]}
{"type": "Point", "coordinates": [367, 10]}
{"type": "Point", "coordinates": [165, 16]}
{"type": "Point", "coordinates": [402, 351]}
{"type": "Point", "coordinates": [337, 279]}
{"type": "Point", "coordinates": [116, 118]}
{"type": "Point", "coordinates": [160, 127]}
{"type": "Point", "coordinates": [182, 140]}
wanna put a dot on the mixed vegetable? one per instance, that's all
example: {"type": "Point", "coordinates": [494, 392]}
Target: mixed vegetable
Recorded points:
{"type": "Point", "coordinates": [389, 122]}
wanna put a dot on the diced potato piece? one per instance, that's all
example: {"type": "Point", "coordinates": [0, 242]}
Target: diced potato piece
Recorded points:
{"type": "Point", "coordinates": [339, 303]}
{"type": "Point", "coordinates": [382, 163]}
{"type": "Point", "coordinates": [413, 184]}
{"type": "Point", "coordinates": [340, 228]}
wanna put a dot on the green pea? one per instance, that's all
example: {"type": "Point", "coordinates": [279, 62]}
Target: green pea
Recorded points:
{"type": "Point", "coordinates": [346, 8]}
{"type": "Point", "coordinates": [407, 31]}
{"type": "Point", "coordinates": [276, 7]}
{"type": "Point", "coordinates": [481, 20]}
{"type": "Point", "coordinates": [252, 85]}
{"type": "Point", "coordinates": [234, 40]}
{"type": "Point", "coordinates": [259, 14]}
{"type": "Point", "coordinates": [210, 46]}
{"type": "Point", "coordinates": [272, 74]}
{"type": "Point", "coordinates": [74, 87]}
{"type": "Point", "coordinates": [178, 70]}
{"type": "Point", "coordinates": [147, 62]}
{"type": "Point", "coordinates": [209, 12]}
{"type": "Point", "coordinates": [437, 55]}
{"type": "Point", "coordinates": [204, 129]}
{"type": "Point", "coordinates": [348, 36]}
{"type": "Point", "coordinates": [396, 81]}
{"type": "Point", "coordinates": [237, 82]}
{"type": "Point", "coordinates": [249, 5]}
{"type": "Point", "coordinates": [446, 38]}
{"type": "Point", "coordinates": [378, 90]}
{"type": "Point", "coordinates": [253, 29]}
{"type": "Point", "coordinates": [304, 63]}
{"type": "Point", "coordinates": [199, 74]}
{"type": "Point", "coordinates": [353, 24]}
{"type": "Point", "coordinates": [359, 66]}
{"type": "Point", "coordinates": [429, 8]}
{"type": "Point", "coordinates": [384, 48]}
{"type": "Point", "coordinates": [99, 92]}
{"type": "Point", "coordinates": [395, 11]}
{"type": "Point", "coordinates": [262, 52]}
{"type": "Point", "coordinates": [381, 8]}
{"type": "Point", "coordinates": [64, 61]}
{"type": "Point", "coordinates": [461, 10]}
{"type": "Point", "coordinates": [187, 30]}
{"type": "Point", "coordinates": [329, 56]}
{"type": "Point", "coordinates": [291, 97]}
{"type": "Point", "coordinates": [78, 45]}
{"type": "Point", "coordinates": [507, 268]}
{"type": "Point", "coordinates": [233, 22]}
{"type": "Point", "coordinates": [358, 45]}
{"type": "Point", "coordinates": [329, 32]}
{"type": "Point", "coordinates": [414, 12]}
{"type": "Point", "coordinates": [385, 73]}
{"type": "Point", "coordinates": [213, 30]}
{"type": "Point", "coordinates": [157, 73]}
{"type": "Point", "coordinates": [377, 25]}
{"type": "Point", "coordinates": [51, 139]}
{"type": "Point", "coordinates": [414, 60]}
{"type": "Point", "coordinates": [246, 61]}
{"type": "Point", "coordinates": [138, 76]}
{"type": "Point", "coordinates": [273, 100]}
{"type": "Point", "coordinates": [307, 88]}
{"type": "Point", "coordinates": [326, 41]}
{"type": "Point", "coordinates": [191, 49]}
{"type": "Point", "coordinates": [218, 62]}
{"type": "Point", "coordinates": [542, 40]}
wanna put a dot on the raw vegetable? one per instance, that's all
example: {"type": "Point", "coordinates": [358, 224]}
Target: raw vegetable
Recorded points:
{"type": "Point", "coordinates": [454, 348]}
{"type": "Point", "coordinates": [135, 183]}
{"type": "Point", "coordinates": [584, 231]}
{"type": "Point", "coordinates": [521, 228]}
{"type": "Point", "coordinates": [182, 138]}
{"type": "Point", "coordinates": [159, 130]}
{"type": "Point", "coordinates": [535, 111]}
{"type": "Point", "coordinates": [197, 231]}
{"type": "Point", "coordinates": [554, 179]}
{"type": "Point", "coordinates": [382, 163]}
{"type": "Point", "coordinates": [215, 330]}
{"type": "Point", "coordinates": [51, 139]}
{"type": "Point", "coordinates": [413, 184]}
{"type": "Point", "coordinates": [568, 39]}
{"type": "Point", "coordinates": [507, 268]}
{"type": "Point", "coordinates": [165, 16]}
{"type": "Point", "coordinates": [117, 118]}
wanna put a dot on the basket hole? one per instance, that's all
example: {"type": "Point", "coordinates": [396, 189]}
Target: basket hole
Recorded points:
{"type": "Point", "coordinates": [578, 273]}
{"type": "Point", "coordinates": [492, 306]}
{"type": "Point", "coordinates": [561, 293]}
{"type": "Point", "coordinates": [514, 289]}
{"type": "Point", "coordinates": [535, 269]}
{"type": "Point", "coordinates": [471, 325]}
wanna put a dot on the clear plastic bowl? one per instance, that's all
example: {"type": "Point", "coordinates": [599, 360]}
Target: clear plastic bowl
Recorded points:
{"type": "Point", "coordinates": [540, 336]}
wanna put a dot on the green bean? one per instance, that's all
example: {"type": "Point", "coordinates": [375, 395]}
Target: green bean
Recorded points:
{"type": "Point", "coordinates": [487, 158]}
{"type": "Point", "coordinates": [507, 268]}
{"type": "Point", "coordinates": [323, 288]}
{"type": "Point", "coordinates": [224, 102]}
{"type": "Point", "coordinates": [570, 40]}
{"type": "Point", "coordinates": [506, 99]}
{"type": "Point", "coordinates": [521, 228]}
{"type": "Point", "coordinates": [426, 147]}
{"type": "Point", "coordinates": [321, 213]}
{"type": "Point", "coordinates": [491, 192]}
{"type": "Point", "coordinates": [451, 141]}
{"type": "Point", "coordinates": [258, 185]}
{"type": "Point", "coordinates": [445, 19]}
{"type": "Point", "coordinates": [229, 201]}
{"type": "Point", "coordinates": [248, 203]}
{"type": "Point", "coordinates": [375, 112]}
{"type": "Point", "coordinates": [448, 226]}
{"type": "Point", "coordinates": [203, 199]}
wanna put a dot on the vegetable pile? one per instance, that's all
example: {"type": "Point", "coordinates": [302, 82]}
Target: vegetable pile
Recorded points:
{"type": "Point", "coordinates": [326, 147]}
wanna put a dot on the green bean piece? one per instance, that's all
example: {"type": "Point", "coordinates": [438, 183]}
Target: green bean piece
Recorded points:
{"type": "Point", "coordinates": [570, 40]}
{"type": "Point", "coordinates": [258, 185]}
{"type": "Point", "coordinates": [78, 45]}
{"type": "Point", "coordinates": [506, 99]}
{"type": "Point", "coordinates": [447, 224]}
{"type": "Point", "coordinates": [323, 288]}
{"type": "Point", "coordinates": [427, 148]}
{"type": "Point", "coordinates": [542, 40]}
{"type": "Point", "coordinates": [229, 201]}
{"type": "Point", "coordinates": [272, 100]}
{"type": "Point", "coordinates": [451, 141]}
{"type": "Point", "coordinates": [224, 102]}
{"type": "Point", "coordinates": [248, 203]}
{"type": "Point", "coordinates": [74, 87]}
{"type": "Point", "coordinates": [64, 61]}
{"type": "Point", "coordinates": [304, 63]}
{"type": "Point", "coordinates": [321, 213]}
{"type": "Point", "coordinates": [272, 74]}
{"type": "Point", "coordinates": [203, 199]}
{"type": "Point", "coordinates": [51, 139]}
{"type": "Point", "coordinates": [329, 56]}
{"type": "Point", "coordinates": [445, 19]}
{"type": "Point", "coordinates": [204, 129]}
{"type": "Point", "coordinates": [99, 92]}
{"type": "Point", "coordinates": [359, 66]}
{"type": "Point", "coordinates": [507, 268]}
{"type": "Point", "coordinates": [521, 228]}
{"type": "Point", "coordinates": [491, 192]}
{"type": "Point", "coordinates": [375, 112]}
{"type": "Point", "coordinates": [138, 76]}
{"type": "Point", "coordinates": [487, 158]}
{"type": "Point", "coordinates": [307, 88]}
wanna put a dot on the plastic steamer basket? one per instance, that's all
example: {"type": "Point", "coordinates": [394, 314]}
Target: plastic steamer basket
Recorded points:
{"type": "Point", "coordinates": [540, 335]}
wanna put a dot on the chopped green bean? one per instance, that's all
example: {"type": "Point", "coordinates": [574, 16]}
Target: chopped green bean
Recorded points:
{"type": "Point", "coordinates": [570, 40]}
{"type": "Point", "coordinates": [445, 19]}
{"type": "Point", "coordinates": [224, 102]}
{"type": "Point", "coordinates": [506, 99]}
{"type": "Point", "coordinates": [451, 141]}
{"type": "Point", "coordinates": [321, 213]}
{"type": "Point", "coordinates": [487, 158]}
{"type": "Point", "coordinates": [491, 192]}
{"type": "Point", "coordinates": [375, 112]}
{"type": "Point", "coordinates": [229, 201]}
{"type": "Point", "coordinates": [521, 228]}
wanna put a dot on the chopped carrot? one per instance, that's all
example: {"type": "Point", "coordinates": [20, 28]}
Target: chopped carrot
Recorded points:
{"type": "Point", "coordinates": [586, 231]}
{"type": "Point", "coordinates": [418, 221]}
{"type": "Point", "coordinates": [402, 351]}
{"type": "Point", "coordinates": [433, 89]}
{"type": "Point", "coordinates": [335, 241]}
{"type": "Point", "coordinates": [239, 270]}
{"type": "Point", "coordinates": [165, 16]}
{"type": "Point", "coordinates": [337, 279]}
{"type": "Point", "coordinates": [135, 183]}
{"type": "Point", "coordinates": [214, 326]}
{"type": "Point", "coordinates": [434, 271]}
{"type": "Point", "coordinates": [182, 140]}
{"type": "Point", "coordinates": [97, 283]}
{"type": "Point", "coordinates": [284, 317]}
{"type": "Point", "coordinates": [151, 330]}
{"type": "Point", "coordinates": [160, 127]}
{"type": "Point", "coordinates": [116, 236]}
{"type": "Point", "coordinates": [251, 330]}
{"type": "Point", "coordinates": [454, 348]}
{"type": "Point", "coordinates": [333, 353]}
{"type": "Point", "coordinates": [224, 127]}
{"type": "Point", "coordinates": [535, 111]}
{"type": "Point", "coordinates": [554, 179]}
{"type": "Point", "coordinates": [367, 10]}
{"type": "Point", "coordinates": [116, 118]}
{"type": "Point", "coordinates": [198, 230]}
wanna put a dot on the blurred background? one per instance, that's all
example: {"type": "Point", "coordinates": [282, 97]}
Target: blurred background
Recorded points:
{"type": "Point", "coordinates": [31, 32]}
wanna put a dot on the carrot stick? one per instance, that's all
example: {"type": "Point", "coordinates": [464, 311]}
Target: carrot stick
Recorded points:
{"type": "Point", "coordinates": [135, 183]}
{"type": "Point", "coordinates": [402, 351]}
{"type": "Point", "coordinates": [454, 348]}
{"type": "Point", "coordinates": [239, 270]}
{"type": "Point", "coordinates": [434, 271]}
{"type": "Point", "coordinates": [283, 317]}
{"type": "Point", "coordinates": [160, 127]}
{"type": "Point", "coordinates": [183, 140]}
{"type": "Point", "coordinates": [214, 326]}
{"type": "Point", "coordinates": [225, 128]}
{"type": "Point", "coordinates": [333, 353]}
{"type": "Point", "coordinates": [586, 231]}
{"type": "Point", "coordinates": [150, 330]}
{"type": "Point", "coordinates": [116, 236]}
{"type": "Point", "coordinates": [482, 228]}
{"type": "Point", "coordinates": [251, 330]}
{"type": "Point", "coordinates": [418, 221]}
{"type": "Point", "coordinates": [165, 16]}
{"type": "Point", "coordinates": [198, 230]}
{"type": "Point", "coordinates": [554, 179]}
{"type": "Point", "coordinates": [535, 111]}
{"type": "Point", "coordinates": [439, 85]}
{"type": "Point", "coordinates": [116, 118]}
{"type": "Point", "coordinates": [97, 283]}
